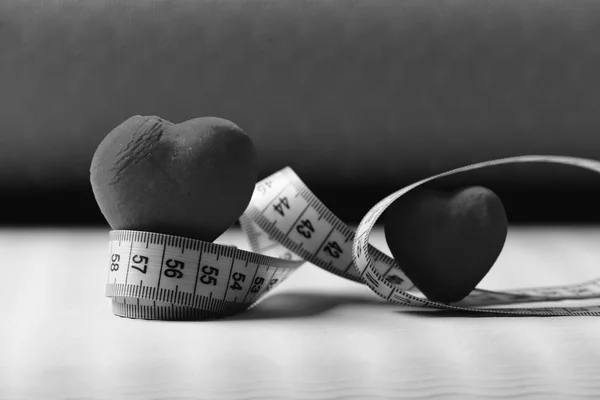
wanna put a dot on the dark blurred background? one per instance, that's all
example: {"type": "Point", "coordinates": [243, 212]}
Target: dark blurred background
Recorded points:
{"type": "Point", "coordinates": [360, 97]}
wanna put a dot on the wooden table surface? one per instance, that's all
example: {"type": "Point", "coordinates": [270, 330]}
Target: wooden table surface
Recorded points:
{"type": "Point", "coordinates": [316, 337]}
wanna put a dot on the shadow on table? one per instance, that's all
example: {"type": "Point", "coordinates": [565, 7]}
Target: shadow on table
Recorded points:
{"type": "Point", "coordinates": [435, 313]}
{"type": "Point", "coordinates": [302, 304]}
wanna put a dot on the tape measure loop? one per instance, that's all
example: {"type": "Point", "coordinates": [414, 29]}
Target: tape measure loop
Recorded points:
{"type": "Point", "coordinates": [157, 276]}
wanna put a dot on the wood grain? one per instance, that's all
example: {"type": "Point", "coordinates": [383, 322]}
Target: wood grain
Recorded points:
{"type": "Point", "coordinates": [315, 337]}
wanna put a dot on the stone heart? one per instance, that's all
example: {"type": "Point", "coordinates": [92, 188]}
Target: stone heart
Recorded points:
{"type": "Point", "coordinates": [446, 242]}
{"type": "Point", "coordinates": [191, 179]}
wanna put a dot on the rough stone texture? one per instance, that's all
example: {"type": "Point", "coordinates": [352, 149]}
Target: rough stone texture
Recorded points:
{"type": "Point", "coordinates": [191, 179]}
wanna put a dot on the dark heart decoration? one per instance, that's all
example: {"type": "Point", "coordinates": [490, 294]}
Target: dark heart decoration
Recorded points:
{"type": "Point", "coordinates": [446, 242]}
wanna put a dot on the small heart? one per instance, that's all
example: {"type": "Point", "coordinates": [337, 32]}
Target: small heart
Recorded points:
{"type": "Point", "coordinates": [446, 242]}
{"type": "Point", "coordinates": [192, 179]}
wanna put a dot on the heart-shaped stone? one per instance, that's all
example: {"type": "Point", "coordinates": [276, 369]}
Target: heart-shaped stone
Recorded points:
{"type": "Point", "coordinates": [446, 242]}
{"type": "Point", "coordinates": [191, 179]}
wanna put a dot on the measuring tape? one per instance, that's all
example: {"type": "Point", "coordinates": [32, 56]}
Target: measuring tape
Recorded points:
{"type": "Point", "coordinates": [157, 276]}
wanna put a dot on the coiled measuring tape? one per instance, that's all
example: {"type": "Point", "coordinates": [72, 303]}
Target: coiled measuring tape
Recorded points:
{"type": "Point", "coordinates": [157, 276]}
